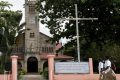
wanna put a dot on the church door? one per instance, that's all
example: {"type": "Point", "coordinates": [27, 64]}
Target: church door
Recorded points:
{"type": "Point", "coordinates": [32, 65]}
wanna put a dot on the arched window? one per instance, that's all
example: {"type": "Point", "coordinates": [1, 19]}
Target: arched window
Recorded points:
{"type": "Point", "coordinates": [32, 65]}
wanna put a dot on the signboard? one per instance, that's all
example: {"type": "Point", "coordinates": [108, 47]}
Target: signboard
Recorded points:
{"type": "Point", "coordinates": [72, 67]}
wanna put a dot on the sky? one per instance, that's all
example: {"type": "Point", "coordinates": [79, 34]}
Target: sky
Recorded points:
{"type": "Point", "coordinates": [18, 5]}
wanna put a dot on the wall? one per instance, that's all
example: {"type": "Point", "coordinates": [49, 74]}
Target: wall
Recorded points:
{"type": "Point", "coordinates": [12, 76]}
{"type": "Point", "coordinates": [5, 77]}
{"type": "Point", "coordinates": [73, 77]}
{"type": "Point", "coordinates": [79, 77]}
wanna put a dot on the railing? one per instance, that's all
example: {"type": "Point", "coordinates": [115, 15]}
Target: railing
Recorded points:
{"type": "Point", "coordinates": [5, 77]}
{"type": "Point", "coordinates": [27, 50]}
{"type": "Point", "coordinates": [13, 50]}
{"type": "Point", "coordinates": [16, 49]}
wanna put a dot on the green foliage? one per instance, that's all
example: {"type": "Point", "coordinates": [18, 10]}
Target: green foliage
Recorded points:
{"type": "Point", "coordinates": [1, 69]}
{"type": "Point", "coordinates": [97, 52]}
{"type": "Point", "coordinates": [4, 4]}
{"type": "Point", "coordinates": [45, 73]}
{"type": "Point", "coordinates": [9, 25]}
{"type": "Point", "coordinates": [94, 35]}
{"type": "Point", "coordinates": [1, 65]}
{"type": "Point", "coordinates": [40, 71]}
{"type": "Point", "coordinates": [9, 29]}
{"type": "Point", "coordinates": [22, 72]}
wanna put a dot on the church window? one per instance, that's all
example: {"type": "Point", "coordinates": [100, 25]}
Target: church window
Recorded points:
{"type": "Point", "coordinates": [31, 0]}
{"type": "Point", "coordinates": [31, 9]}
{"type": "Point", "coordinates": [50, 49]}
{"type": "Point", "coordinates": [47, 49]}
{"type": "Point", "coordinates": [43, 49]}
{"type": "Point", "coordinates": [32, 35]}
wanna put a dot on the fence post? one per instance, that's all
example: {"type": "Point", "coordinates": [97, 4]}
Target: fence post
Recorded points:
{"type": "Point", "coordinates": [14, 67]}
{"type": "Point", "coordinates": [91, 68]}
{"type": "Point", "coordinates": [51, 66]}
{"type": "Point", "coordinates": [91, 65]}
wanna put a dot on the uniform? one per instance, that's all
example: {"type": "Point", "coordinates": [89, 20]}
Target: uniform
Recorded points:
{"type": "Point", "coordinates": [108, 72]}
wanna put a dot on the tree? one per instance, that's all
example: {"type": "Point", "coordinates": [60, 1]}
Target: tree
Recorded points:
{"type": "Point", "coordinates": [4, 4]}
{"type": "Point", "coordinates": [103, 31]}
{"type": "Point", "coordinates": [9, 28]}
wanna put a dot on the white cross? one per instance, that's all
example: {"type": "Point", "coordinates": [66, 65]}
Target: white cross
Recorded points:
{"type": "Point", "coordinates": [77, 29]}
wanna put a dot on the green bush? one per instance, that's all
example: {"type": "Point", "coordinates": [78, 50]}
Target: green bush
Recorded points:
{"type": "Point", "coordinates": [22, 72]}
{"type": "Point", "coordinates": [1, 69]}
{"type": "Point", "coordinates": [40, 72]}
{"type": "Point", "coordinates": [45, 73]}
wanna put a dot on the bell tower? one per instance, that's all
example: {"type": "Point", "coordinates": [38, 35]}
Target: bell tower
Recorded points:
{"type": "Point", "coordinates": [32, 27]}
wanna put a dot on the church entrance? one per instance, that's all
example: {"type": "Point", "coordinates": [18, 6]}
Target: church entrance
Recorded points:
{"type": "Point", "coordinates": [32, 65]}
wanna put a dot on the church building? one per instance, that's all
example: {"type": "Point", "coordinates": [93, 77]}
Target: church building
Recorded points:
{"type": "Point", "coordinates": [33, 46]}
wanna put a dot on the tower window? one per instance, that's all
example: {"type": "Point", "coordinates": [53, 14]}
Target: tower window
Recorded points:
{"type": "Point", "coordinates": [31, 0]}
{"type": "Point", "coordinates": [47, 49]}
{"type": "Point", "coordinates": [50, 49]}
{"type": "Point", "coordinates": [43, 49]}
{"type": "Point", "coordinates": [32, 35]}
{"type": "Point", "coordinates": [31, 8]}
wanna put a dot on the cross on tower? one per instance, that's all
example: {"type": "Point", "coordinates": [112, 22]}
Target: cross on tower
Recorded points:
{"type": "Point", "coordinates": [77, 29]}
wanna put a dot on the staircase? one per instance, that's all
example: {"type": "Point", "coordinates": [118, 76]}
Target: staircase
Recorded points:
{"type": "Point", "coordinates": [32, 77]}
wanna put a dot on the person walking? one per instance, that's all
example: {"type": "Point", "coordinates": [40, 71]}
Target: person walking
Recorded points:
{"type": "Point", "coordinates": [108, 73]}
{"type": "Point", "coordinates": [100, 68]}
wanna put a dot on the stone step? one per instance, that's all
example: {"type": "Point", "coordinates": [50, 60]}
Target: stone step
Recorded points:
{"type": "Point", "coordinates": [31, 77]}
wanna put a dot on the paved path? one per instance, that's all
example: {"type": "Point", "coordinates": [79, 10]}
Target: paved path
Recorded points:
{"type": "Point", "coordinates": [32, 77]}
